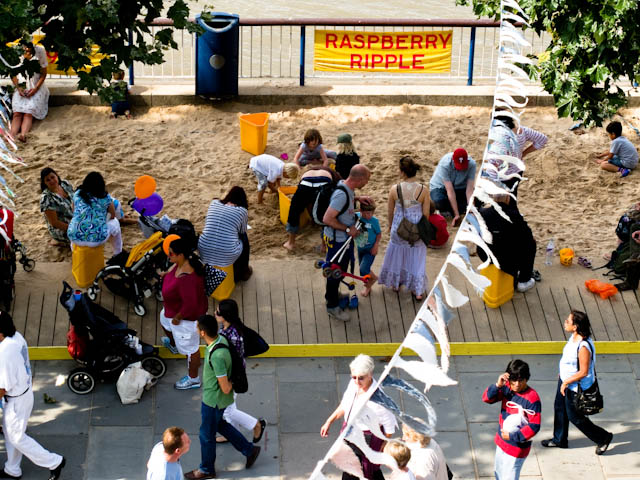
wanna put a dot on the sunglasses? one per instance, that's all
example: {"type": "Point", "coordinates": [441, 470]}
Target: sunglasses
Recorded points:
{"type": "Point", "coordinates": [358, 377]}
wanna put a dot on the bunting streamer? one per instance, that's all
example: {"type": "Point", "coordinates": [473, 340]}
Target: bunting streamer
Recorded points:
{"type": "Point", "coordinates": [8, 152]}
{"type": "Point", "coordinates": [501, 161]}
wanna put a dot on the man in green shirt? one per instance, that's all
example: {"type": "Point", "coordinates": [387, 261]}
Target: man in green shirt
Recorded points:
{"type": "Point", "coordinates": [217, 394]}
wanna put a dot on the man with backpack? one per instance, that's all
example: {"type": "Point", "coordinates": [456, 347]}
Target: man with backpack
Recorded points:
{"type": "Point", "coordinates": [339, 219]}
{"type": "Point", "coordinates": [217, 394]}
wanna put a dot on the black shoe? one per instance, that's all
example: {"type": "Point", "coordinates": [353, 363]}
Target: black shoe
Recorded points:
{"type": "Point", "coordinates": [600, 449]}
{"type": "Point", "coordinates": [263, 426]}
{"type": "Point", "coordinates": [4, 474]}
{"type": "Point", "coordinates": [551, 444]}
{"type": "Point", "coordinates": [253, 456]}
{"type": "Point", "coordinates": [55, 473]}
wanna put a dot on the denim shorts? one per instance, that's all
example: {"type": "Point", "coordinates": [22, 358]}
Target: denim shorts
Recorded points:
{"type": "Point", "coordinates": [615, 160]}
{"type": "Point", "coordinates": [262, 180]}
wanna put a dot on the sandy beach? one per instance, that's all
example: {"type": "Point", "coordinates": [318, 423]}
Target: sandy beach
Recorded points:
{"type": "Point", "coordinates": [194, 154]}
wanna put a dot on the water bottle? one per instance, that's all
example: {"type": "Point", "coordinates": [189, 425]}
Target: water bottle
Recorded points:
{"type": "Point", "coordinates": [550, 248]}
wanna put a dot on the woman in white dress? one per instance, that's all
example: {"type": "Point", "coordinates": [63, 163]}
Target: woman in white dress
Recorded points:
{"type": "Point", "coordinates": [31, 98]}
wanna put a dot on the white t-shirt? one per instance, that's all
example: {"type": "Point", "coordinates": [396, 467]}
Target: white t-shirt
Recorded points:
{"type": "Point", "coordinates": [15, 370]}
{"type": "Point", "coordinates": [159, 469]}
{"type": "Point", "coordinates": [400, 475]}
{"type": "Point", "coordinates": [385, 417]}
{"type": "Point", "coordinates": [428, 463]}
{"type": "Point", "coordinates": [268, 165]}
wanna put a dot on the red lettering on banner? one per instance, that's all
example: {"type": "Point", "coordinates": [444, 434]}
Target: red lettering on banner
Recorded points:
{"type": "Point", "coordinates": [359, 41]}
{"type": "Point", "coordinates": [330, 38]}
{"type": "Point", "coordinates": [376, 59]}
{"type": "Point", "coordinates": [444, 40]}
{"type": "Point", "coordinates": [389, 59]}
{"type": "Point", "coordinates": [355, 58]}
{"type": "Point", "coordinates": [416, 58]}
{"type": "Point", "coordinates": [387, 42]}
{"type": "Point", "coordinates": [431, 40]}
{"type": "Point", "coordinates": [401, 66]}
{"type": "Point", "coordinates": [400, 39]}
{"type": "Point", "coordinates": [371, 40]}
{"type": "Point", "coordinates": [346, 41]}
{"type": "Point", "coordinates": [416, 40]}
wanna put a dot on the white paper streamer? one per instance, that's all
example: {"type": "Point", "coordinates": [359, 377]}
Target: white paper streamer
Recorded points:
{"type": "Point", "coordinates": [425, 350]}
{"type": "Point", "coordinates": [356, 436]}
{"type": "Point", "coordinates": [479, 282]}
{"type": "Point", "coordinates": [428, 374]}
{"type": "Point", "coordinates": [454, 297]}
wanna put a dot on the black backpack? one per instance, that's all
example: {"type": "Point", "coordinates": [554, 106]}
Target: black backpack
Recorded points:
{"type": "Point", "coordinates": [323, 199]}
{"type": "Point", "coordinates": [238, 377]}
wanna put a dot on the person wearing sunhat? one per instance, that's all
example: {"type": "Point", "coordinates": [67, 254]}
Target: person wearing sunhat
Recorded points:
{"type": "Point", "coordinates": [452, 184]}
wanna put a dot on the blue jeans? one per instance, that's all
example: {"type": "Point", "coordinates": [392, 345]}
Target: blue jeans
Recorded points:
{"type": "Point", "coordinates": [366, 260]}
{"type": "Point", "coordinates": [506, 466]}
{"type": "Point", "coordinates": [441, 200]}
{"type": "Point", "coordinates": [615, 160]}
{"type": "Point", "coordinates": [212, 422]}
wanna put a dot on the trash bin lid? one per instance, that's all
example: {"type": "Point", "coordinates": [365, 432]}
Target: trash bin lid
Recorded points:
{"type": "Point", "coordinates": [219, 22]}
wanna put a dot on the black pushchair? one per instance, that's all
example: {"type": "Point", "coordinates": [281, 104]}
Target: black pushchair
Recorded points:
{"type": "Point", "coordinates": [9, 248]}
{"type": "Point", "coordinates": [109, 346]}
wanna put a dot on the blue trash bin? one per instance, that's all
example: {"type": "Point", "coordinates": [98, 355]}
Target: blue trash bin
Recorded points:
{"type": "Point", "coordinates": [217, 55]}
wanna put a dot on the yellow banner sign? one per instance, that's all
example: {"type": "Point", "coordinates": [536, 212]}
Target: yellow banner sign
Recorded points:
{"type": "Point", "coordinates": [387, 52]}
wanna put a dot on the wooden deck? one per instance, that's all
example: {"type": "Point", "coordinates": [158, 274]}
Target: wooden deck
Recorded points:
{"type": "Point", "coordinates": [285, 303]}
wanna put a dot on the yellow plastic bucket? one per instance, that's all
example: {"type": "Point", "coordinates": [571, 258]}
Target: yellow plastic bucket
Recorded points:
{"type": "Point", "coordinates": [566, 257]}
{"type": "Point", "coordinates": [86, 262]}
{"type": "Point", "coordinates": [285, 205]}
{"type": "Point", "coordinates": [225, 289]}
{"type": "Point", "coordinates": [254, 128]}
{"type": "Point", "coordinates": [501, 289]}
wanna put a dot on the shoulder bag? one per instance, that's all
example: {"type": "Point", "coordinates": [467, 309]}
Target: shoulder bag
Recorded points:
{"type": "Point", "coordinates": [589, 401]}
{"type": "Point", "coordinates": [412, 232]}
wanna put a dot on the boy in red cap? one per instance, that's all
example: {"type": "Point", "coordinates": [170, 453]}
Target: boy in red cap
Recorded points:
{"type": "Point", "coordinates": [452, 184]}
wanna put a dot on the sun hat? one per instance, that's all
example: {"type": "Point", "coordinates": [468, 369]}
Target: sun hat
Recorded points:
{"type": "Point", "coordinates": [460, 159]}
{"type": "Point", "coordinates": [344, 138]}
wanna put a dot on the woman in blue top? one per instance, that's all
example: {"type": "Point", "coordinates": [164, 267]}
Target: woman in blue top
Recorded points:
{"type": "Point", "coordinates": [576, 365]}
{"type": "Point", "coordinates": [90, 226]}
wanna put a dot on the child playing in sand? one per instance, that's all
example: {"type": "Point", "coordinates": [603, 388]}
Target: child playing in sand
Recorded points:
{"type": "Point", "coordinates": [369, 249]}
{"type": "Point", "coordinates": [120, 104]}
{"type": "Point", "coordinates": [347, 156]}
{"type": "Point", "coordinates": [311, 150]}
{"type": "Point", "coordinates": [269, 170]}
{"type": "Point", "coordinates": [401, 454]}
{"type": "Point", "coordinates": [622, 156]}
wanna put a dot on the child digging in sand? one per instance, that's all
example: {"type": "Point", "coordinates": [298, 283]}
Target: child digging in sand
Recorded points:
{"type": "Point", "coordinates": [269, 170]}
{"type": "Point", "coordinates": [622, 156]}
{"type": "Point", "coordinates": [368, 251]}
{"type": "Point", "coordinates": [311, 150]}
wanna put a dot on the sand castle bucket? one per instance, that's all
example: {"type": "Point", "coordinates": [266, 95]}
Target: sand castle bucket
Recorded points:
{"type": "Point", "coordinates": [285, 205]}
{"type": "Point", "coordinates": [254, 128]}
{"type": "Point", "coordinates": [566, 257]}
{"type": "Point", "coordinates": [86, 262]}
{"type": "Point", "coordinates": [501, 289]}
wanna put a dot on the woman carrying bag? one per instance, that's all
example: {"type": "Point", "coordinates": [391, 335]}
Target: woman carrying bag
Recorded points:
{"type": "Point", "coordinates": [577, 375]}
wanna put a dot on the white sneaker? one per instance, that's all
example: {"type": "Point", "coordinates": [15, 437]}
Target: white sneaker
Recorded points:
{"type": "Point", "coordinates": [339, 314]}
{"type": "Point", "coordinates": [187, 383]}
{"type": "Point", "coordinates": [524, 286]}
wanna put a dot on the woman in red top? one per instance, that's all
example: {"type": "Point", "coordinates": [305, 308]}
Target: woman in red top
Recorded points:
{"type": "Point", "coordinates": [184, 301]}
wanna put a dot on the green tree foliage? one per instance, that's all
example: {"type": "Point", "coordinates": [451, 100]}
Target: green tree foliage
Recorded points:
{"type": "Point", "coordinates": [72, 27]}
{"type": "Point", "coordinates": [595, 48]}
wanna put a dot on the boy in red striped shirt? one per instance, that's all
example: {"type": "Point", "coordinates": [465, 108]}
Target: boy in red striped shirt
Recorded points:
{"type": "Point", "coordinates": [513, 440]}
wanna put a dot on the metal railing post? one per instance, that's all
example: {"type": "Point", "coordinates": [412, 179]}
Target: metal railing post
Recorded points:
{"type": "Point", "coordinates": [302, 44]}
{"type": "Point", "coordinates": [131, 78]}
{"type": "Point", "coordinates": [472, 52]}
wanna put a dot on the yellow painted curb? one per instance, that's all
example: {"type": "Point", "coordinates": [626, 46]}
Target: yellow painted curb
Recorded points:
{"type": "Point", "coordinates": [385, 349]}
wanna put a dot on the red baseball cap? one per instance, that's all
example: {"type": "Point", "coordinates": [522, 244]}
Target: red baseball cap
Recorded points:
{"type": "Point", "coordinates": [460, 159]}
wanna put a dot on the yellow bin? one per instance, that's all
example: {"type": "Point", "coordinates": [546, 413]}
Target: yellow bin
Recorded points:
{"type": "Point", "coordinates": [254, 128]}
{"type": "Point", "coordinates": [86, 262]}
{"type": "Point", "coordinates": [501, 289]}
{"type": "Point", "coordinates": [225, 289]}
{"type": "Point", "coordinates": [285, 205]}
{"type": "Point", "coordinates": [566, 257]}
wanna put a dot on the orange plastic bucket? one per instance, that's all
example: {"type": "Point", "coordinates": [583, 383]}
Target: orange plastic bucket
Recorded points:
{"type": "Point", "coordinates": [566, 257]}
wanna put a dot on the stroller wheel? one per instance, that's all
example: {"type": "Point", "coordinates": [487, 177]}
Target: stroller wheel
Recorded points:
{"type": "Point", "coordinates": [318, 264]}
{"type": "Point", "coordinates": [139, 310]}
{"type": "Point", "coordinates": [92, 293]}
{"type": "Point", "coordinates": [155, 366]}
{"type": "Point", "coordinates": [80, 381]}
{"type": "Point", "coordinates": [28, 265]}
{"type": "Point", "coordinates": [336, 274]}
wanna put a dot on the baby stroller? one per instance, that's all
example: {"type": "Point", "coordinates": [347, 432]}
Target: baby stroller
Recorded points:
{"type": "Point", "coordinates": [108, 345]}
{"type": "Point", "coordinates": [135, 275]}
{"type": "Point", "coordinates": [9, 248]}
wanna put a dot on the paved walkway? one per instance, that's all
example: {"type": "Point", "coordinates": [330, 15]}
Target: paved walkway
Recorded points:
{"type": "Point", "coordinates": [104, 440]}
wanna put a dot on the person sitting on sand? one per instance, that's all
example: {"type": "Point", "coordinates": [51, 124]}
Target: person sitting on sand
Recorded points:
{"type": "Point", "coordinates": [56, 203]}
{"type": "Point", "coordinates": [622, 156]}
{"type": "Point", "coordinates": [452, 184]}
{"type": "Point", "coordinates": [311, 150]}
{"type": "Point", "coordinates": [369, 249]}
{"type": "Point", "coordinates": [269, 170]}
{"type": "Point", "coordinates": [311, 182]}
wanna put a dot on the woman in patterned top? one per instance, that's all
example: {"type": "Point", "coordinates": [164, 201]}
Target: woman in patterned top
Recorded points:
{"type": "Point", "coordinates": [231, 328]}
{"type": "Point", "coordinates": [89, 226]}
{"type": "Point", "coordinates": [56, 202]}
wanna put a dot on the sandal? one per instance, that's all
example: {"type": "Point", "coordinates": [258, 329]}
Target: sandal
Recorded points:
{"type": "Point", "coordinates": [584, 261]}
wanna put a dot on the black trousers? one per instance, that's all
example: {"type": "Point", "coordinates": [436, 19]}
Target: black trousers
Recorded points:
{"type": "Point", "coordinates": [241, 265]}
{"type": "Point", "coordinates": [332, 292]}
{"type": "Point", "coordinates": [304, 197]}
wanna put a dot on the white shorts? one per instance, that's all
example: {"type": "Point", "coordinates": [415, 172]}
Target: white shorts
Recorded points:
{"type": "Point", "coordinates": [185, 334]}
